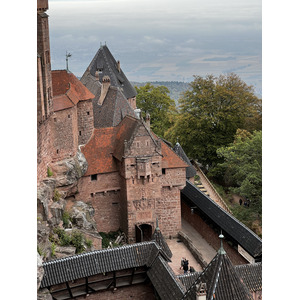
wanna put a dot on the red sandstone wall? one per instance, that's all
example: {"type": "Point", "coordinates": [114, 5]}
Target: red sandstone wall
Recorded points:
{"type": "Point", "coordinates": [135, 292]}
{"type": "Point", "coordinates": [65, 135]}
{"type": "Point", "coordinates": [43, 49]}
{"type": "Point", "coordinates": [85, 121]}
{"type": "Point", "coordinates": [106, 199]}
{"type": "Point", "coordinates": [44, 148]}
{"type": "Point", "coordinates": [210, 235]}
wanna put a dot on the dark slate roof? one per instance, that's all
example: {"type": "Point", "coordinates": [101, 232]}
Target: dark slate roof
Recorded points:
{"type": "Point", "coordinates": [160, 240]}
{"type": "Point", "coordinates": [92, 84]}
{"type": "Point", "coordinates": [190, 170]}
{"type": "Point", "coordinates": [228, 223]}
{"type": "Point", "coordinates": [114, 108]}
{"type": "Point", "coordinates": [165, 282]}
{"type": "Point", "coordinates": [222, 281]}
{"type": "Point", "coordinates": [188, 279]}
{"type": "Point", "coordinates": [100, 261]}
{"type": "Point", "coordinates": [107, 65]}
{"type": "Point", "coordinates": [251, 275]}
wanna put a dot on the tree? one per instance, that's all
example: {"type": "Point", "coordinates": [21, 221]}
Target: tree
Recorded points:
{"type": "Point", "coordinates": [156, 102]}
{"type": "Point", "coordinates": [210, 114]}
{"type": "Point", "coordinates": [243, 163]}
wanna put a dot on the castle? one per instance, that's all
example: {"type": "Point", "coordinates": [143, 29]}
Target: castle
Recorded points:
{"type": "Point", "coordinates": [133, 177]}
{"type": "Point", "coordinates": [132, 180]}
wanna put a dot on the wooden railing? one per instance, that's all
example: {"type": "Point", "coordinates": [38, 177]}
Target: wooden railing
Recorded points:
{"type": "Point", "coordinates": [213, 194]}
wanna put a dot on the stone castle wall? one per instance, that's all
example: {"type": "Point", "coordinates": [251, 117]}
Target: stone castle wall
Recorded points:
{"type": "Point", "coordinates": [65, 134]}
{"type": "Point", "coordinates": [210, 235]}
{"type": "Point", "coordinates": [85, 121]}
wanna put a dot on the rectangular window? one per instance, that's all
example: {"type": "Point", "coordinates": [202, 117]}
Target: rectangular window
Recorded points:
{"type": "Point", "coordinates": [94, 177]}
{"type": "Point", "coordinates": [92, 195]}
{"type": "Point", "coordinates": [79, 132]}
{"type": "Point", "coordinates": [163, 171]}
{"type": "Point", "coordinates": [88, 113]}
{"type": "Point", "coordinates": [55, 120]}
{"type": "Point", "coordinates": [69, 116]}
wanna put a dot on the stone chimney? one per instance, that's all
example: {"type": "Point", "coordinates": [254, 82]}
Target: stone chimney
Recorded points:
{"type": "Point", "coordinates": [201, 291]}
{"type": "Point", "coordinates": [148, 120]}
{"type": "Point", "coordinates": [118, 66]}
{"type": "Point", "coordinates": [104, 89]}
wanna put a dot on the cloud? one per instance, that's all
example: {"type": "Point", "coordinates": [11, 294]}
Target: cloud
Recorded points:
{"type": "Point", "coordinates": [170, 39]}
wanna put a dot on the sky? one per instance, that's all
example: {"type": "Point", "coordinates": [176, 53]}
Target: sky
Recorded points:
{"type": "Point", "coordinates": [161, 40]}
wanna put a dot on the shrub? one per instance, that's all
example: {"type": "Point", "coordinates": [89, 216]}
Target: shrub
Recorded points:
{"type": "Point", "coordinates": [77, 241]}
{"type": "Point", "coordinates": [66, 218]}
{"type": "Point", "coordinates": [56, 196]}
{"type": "Point", "coordinates": [89, 243]}
{"type": "Point", "coordinates": [53, 247]}
{"type": "Point", "coordinates": [49, 172]}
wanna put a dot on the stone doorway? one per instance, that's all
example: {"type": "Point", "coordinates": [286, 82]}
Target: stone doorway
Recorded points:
{"type": "Point", "coordinates": [143, 233]}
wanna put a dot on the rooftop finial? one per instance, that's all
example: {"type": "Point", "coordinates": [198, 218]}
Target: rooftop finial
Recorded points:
{"type": "Point", "coordinates": [67, 60]}
{"type": "Point", "coordinates": [221, 250]}
{"type": "Point", "coordinates": [157, 228]}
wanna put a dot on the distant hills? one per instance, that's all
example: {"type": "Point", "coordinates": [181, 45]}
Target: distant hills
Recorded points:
{"type": "Point", "coordinates": [176, 88]}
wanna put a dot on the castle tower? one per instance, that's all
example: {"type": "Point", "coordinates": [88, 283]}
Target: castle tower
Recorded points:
{"type": "Point", "coordinates": [44, 92]}
{"type": "Point", "coordinates": [44, 89]}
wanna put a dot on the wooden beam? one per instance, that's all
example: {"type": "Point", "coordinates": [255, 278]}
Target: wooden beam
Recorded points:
{"type": "Point", "coordinates": [132, 274]}
{"type": "Point", "coordinates": [86, 285]}
{"type": "Point", "coordinates": [115, 281]}
{"type": "Point", "coordinates": [68, 287]}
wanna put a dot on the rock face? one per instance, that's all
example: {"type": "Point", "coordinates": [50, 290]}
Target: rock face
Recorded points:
{"type": "Point", "coordinates": [61, 252]}
{"type": "Point", "coordinates": [40, 270]}
{"type": "Point", "coordinates": [68, 171]}
{"type": "Point", "coordinates": [82, 216]}
{"type": "Point", "coordinates": [44, 294]}
{"type": "Point", "coordinates": [45, 194]}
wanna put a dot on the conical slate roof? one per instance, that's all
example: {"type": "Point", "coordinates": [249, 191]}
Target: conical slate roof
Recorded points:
{"type": "Point", "coordinates": [106, 64]}
{"type": "Point", "coordinates": [222, 281]}
{"type": "Point", "coordinates": [190, 170]}
{"type": "Point", "coordinates": [160, 240]}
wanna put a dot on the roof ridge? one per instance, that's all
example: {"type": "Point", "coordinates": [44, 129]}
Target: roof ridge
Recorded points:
{"type": "Point", "coordinates": [227, 213]}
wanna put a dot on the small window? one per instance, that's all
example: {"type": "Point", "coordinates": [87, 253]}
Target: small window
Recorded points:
{"type": "Point", "coordinates": [92, 195]}
{"type": "Point", "coordinates": [88, 113]}
{"type": "Point", "coordinates": [57, 151]}
{"type": "Point", "coordinates": [94, 177]}
{"type": "Point", "coordinates": [69, 116]}
{"type": "Point", "coordinates": [163, 171]}
{"type": "Point", "coordinates": [55, 120]}
{"type": "Point", "coordinates": [79, 132]}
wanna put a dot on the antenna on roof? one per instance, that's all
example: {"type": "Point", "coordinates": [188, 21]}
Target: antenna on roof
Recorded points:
{"type": "Point", "coordinates": [67, 60]}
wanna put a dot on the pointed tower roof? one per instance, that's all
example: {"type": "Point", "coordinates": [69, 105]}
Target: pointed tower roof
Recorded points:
{"type": "Point", "coordinates": [105, 63]}
{"type": "Point", "coordinates": [160, 240]}
{"type": "Point", "coordinates": [190, 170]}
{"type": "Point", "coordinates": [221, 279]}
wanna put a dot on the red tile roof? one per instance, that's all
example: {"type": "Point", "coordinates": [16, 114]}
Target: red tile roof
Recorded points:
{"type": "Point", "coordinates": [98, 151]}
{"type": "Point", "coordinates": [67, 84]}
{"type": "Point", "coordinates": [170, 159]}
{"type": "Point", "coordinates": [107, 143]}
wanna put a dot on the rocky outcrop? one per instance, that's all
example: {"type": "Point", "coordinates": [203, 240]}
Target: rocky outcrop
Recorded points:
{"type": "Point", "coordinates": [68, 171]}
{"type": "Point", "coordinates": [82, 216]}
{"type": "Point", "coordinates": [40, 270]}
{"type": "Point", "coordinates": [44, 294]}
{"type": "Point", "coordinates": [61, 252]}
{"type": "Point", "coordinates": [45, 194]}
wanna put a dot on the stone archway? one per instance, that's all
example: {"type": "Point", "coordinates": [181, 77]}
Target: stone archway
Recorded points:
{"type": "Point", "coordinates": [143, 232]}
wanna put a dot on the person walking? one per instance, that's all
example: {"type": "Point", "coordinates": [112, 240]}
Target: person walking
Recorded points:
{"type": "Point", "coordinates": [185, 266]}
{"type": "Point", "coordinates": [192, 270]}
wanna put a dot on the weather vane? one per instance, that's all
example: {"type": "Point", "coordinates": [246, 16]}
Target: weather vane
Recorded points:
{"type": "Point", "coordinates": [67, 59]}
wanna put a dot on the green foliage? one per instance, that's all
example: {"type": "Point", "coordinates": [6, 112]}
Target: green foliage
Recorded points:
{"type": "Point", "coordinates": [88, 243]}
{"type": "Point", "coordinates": [66, 218]}
{"type": "Point", "coordinates": [77, 241]}
{"type": "Point", "coordinates": [156, 102]}
{"type": "Point", "coordinates": [64, 238]}
{"type": "Point", "coordinates": [210, 114]}
{"type": "Point", "coordinates": [41, 252]}
{"type": "Point", "coordinates": [49, 172]}
{"type": "Point", "coordinates": [108, 237]}
{"type": "Point", "coordinates": [53, 247]}
{"type": "Point", "coordinates": [243, 161]}
{"type": "Point", "coordinates": [56, 195]}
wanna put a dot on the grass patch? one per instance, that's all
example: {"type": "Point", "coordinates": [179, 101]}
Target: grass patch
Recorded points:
{"type": "Point", "coordinates": [109, 237]}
